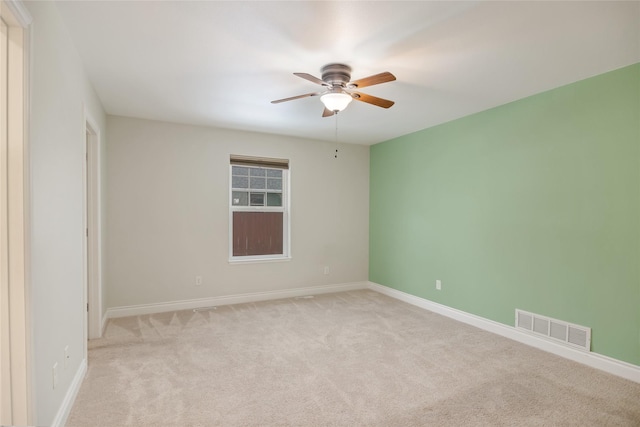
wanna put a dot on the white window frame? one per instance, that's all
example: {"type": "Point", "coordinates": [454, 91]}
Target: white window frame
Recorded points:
{"type": "Point", "coordinates": [286, 216]}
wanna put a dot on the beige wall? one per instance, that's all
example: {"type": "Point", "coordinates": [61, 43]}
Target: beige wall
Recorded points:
{"type": "Point", "coordinates": [168, 213]}
{"type": "Point", "coordinates": [60, 93]}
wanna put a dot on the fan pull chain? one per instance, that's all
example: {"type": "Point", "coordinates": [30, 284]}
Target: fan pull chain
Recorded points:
{"type": "Point", "coordinates": [336, 155]}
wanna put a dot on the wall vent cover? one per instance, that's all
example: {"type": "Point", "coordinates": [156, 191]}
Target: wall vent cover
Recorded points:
{"type": "Point", "coordinates": [575, 336]}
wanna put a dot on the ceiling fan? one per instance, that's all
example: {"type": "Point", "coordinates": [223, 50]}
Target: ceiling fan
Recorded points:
{"type": "Point", "coordinates": [339, 91]}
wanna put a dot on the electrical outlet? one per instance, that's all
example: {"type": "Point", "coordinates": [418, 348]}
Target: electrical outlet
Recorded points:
{"type": "Point", "coordinates": [66, 357]}
{"type": "Point", "coordinates": [326, 269]}
{"type": "Point", "coordinates": [55, 375]}
{"type": "Point", "coordinates": [438, 285]}
{"type": "Point", "coordinates": [198, 280]}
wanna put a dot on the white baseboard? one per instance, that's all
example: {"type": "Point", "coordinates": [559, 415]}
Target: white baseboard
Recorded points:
{"type": "Point", "coordinates": [70, 397]}
{"type": "Point", "coordinates": [594, 360]}
{"type": "Point", "coordinates": [135, 310]}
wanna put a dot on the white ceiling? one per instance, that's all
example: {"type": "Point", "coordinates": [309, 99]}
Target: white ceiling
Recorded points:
{"type": "Point", "coordinates": [220, 64]}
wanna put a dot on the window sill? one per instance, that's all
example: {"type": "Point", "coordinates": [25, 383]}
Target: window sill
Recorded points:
{"type": "Point", "coordinates": [250, 260]}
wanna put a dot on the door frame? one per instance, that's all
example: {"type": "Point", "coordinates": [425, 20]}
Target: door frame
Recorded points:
{"type": "Point", "coordinates": [16, 399]}
{"type": "Point", "coordinates": [93, 235]}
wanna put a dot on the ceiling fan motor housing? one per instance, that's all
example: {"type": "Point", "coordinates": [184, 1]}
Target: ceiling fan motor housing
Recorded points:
{"type": "Point", "coordinates": [336, 74]}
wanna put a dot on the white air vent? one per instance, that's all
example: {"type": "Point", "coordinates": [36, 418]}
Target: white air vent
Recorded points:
{"type": "Point", "coordinates": [572, 335]}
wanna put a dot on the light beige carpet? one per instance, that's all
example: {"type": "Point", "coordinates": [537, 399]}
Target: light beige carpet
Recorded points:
{"type": "Point", "coordinates": [345, 359]}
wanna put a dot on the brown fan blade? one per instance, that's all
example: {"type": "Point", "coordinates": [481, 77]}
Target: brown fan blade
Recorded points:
{"type": "Point", "coordinates": [372, 80]}
{"type": "Point", "coordinates": [380, 102]}
{"type": "Point", "coordinates": [311, 78]}
{"type": "Point", "coordinates": [306, 95]}
{"type": "Point", "coordinates": [327, 113]}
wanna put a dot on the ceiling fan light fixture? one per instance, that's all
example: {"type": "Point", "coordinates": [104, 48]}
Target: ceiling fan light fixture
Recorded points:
{"type": "Point", "coordinates": [337, 88]}
{"type": "Point", "coordinates": [336, 101]}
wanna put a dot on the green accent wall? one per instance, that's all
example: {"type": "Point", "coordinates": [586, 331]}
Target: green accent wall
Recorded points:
{"type": "Point", "coordinates": [532, 205]}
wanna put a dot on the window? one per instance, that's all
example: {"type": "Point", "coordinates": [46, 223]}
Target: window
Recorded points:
{"type": "Point", "coordinates": [259, 208]}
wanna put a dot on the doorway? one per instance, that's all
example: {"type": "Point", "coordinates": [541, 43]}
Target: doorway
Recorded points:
{"type": "Point", "coordinates": [92, 231]}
